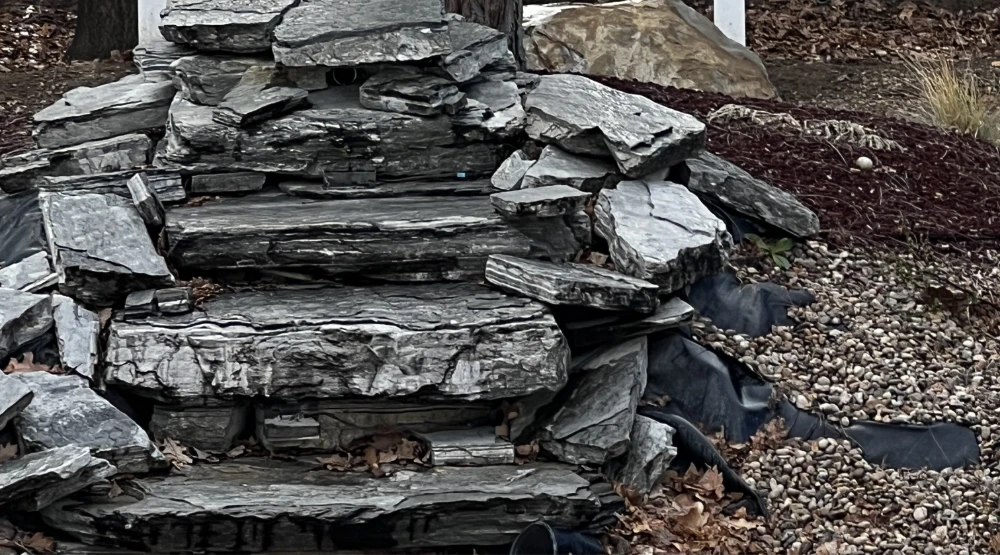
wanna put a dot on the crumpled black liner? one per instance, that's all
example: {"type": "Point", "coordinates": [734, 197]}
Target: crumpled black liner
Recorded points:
{"type": "Point", "coordinates": [751, 309]}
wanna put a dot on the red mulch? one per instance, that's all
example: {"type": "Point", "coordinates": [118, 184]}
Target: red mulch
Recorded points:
{"type": "Point", "coordinates": [945, 187]}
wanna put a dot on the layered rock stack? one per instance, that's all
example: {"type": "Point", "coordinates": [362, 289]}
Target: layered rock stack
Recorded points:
{"type": "Point", "coordinates": [347, 170]}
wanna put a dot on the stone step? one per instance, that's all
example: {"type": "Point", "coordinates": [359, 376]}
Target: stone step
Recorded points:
{"type": "Point", "coordinates": [260, 505]}
{"type": "Point", "coordinates": [416, 238]}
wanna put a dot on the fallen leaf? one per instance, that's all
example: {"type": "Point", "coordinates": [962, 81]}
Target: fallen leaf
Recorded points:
{"type": "Point", "coordinates": [38, 543]}
{"type": "Point", "coordinates": [523, 450]}
{"type": "Point", "coordinates": [236, 451]}
{"type": "Point", "coordinates": [8, 452]}
{"type": "Point", "coordinates": [711, 483]}
{"type": "Point", "coordinates": [408, 449]}
{"type": "Point", "coordinates": [335, 462]}
{"type": "Point", "coordinates": [175, 453]}
{"type": "Point", "coordinates": [691, 512]}
{"type": "Point", "coordinates": [503, 430]}
{"type": "Point", "coordinates": [116, 490]}
{"type": "Point", "coordinates": [28, 364]}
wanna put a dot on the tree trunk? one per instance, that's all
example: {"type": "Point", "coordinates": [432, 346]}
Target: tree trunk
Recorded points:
{"type": "Point", "coordinates": [503, 15]}
{"type": "Point", "coordinates": [103, 26]}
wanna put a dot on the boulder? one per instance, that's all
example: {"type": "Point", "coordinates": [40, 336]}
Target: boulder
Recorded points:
{"type": "Point", "coordinates": [439, 341]}
{"type": "Point", "coordinates": [594, 421]}
{"type": "Point", "coordinates": [355, 32]}
{"type": "Point", "coordinates": [37, 480]}
{"type": "Point", "coordinates": [409, 90]}
{"type": "Point", "coordinates": [240, 26]}
{"type": "Point", "coordinates": [31, 274]}
{"type": "Point", "coordinates": [541, 202]}
{"type": "Point", "coordinates": [242, 108]}
{"type": "Point", "coordinates": [679, 47]}
{"type": "Point", "coordinates": [469, 447]}
{"type": "Point", "coordinates": [649, 457]}
{"type": "Point", "coordinates": [14, 396]}
{"type": "Point", "coordinates": [728, 186]}
{"type": "Point", "coordinates": [20, 172]}
{"type": "Point", "coordinates": [585, 117]}
{"type": "Point", "coordinates": [571, 284]}
{"type": "Point", "coordinates": [555, 166]}
{"type": "Point", "coordinates": [661, 232]}
{"type": "Point", "coordinates": [67, 412]}
{"type": "Point", "coordinates": [216, 183]}
{"type": "Point", "coordinates": [23, 318]}
{"type": "Point", "coordinates": [78, 332]}
{"type": "Point", "coordinates": [511, 172]}
{"type": "Point", "coordinates": [94, 113]}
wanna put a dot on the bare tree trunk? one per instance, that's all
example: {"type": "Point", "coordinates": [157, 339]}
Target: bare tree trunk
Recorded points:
{"type": "Point", "coordinates": [103, 26]}
{"type": "Point", "coordinates": [503, 15]}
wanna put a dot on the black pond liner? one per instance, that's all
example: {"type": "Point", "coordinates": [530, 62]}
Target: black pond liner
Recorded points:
{"type": "Point", "coordinates": [21, 229]}
{"type": "Point", "coordinates": [751, 309]}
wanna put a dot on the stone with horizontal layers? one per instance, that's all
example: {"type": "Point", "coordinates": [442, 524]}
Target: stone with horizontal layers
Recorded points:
{"type": "Point", "coordinates": [510, 175]}
{"type": "Point", "coordinates": [493, 110]}
{"type": "Point", "coordinates": [649, 457]}
{"type": "Point", "coordinates": [207, 79]}
{"type": "Point", "coordinates": [243, 108]}
{"type": "Point", "coordinates": [239, 26]}
{"type": "Point", "coordinates": [100, 247]}
{"type": "Point", "coordinates": [14, 396]}
{"type": "Point", "coordinates": [21, 171]}
{"type": "Point", "coordinates": [216, 183]}
{"type": "Point", "coordinates": [66, 411]}
{"type": "Point", "coordinates": [409, 90]}
{"type": "Point", "coordinates": [355, 32]}
{"type": "Point", "coordinates": [661, 232]}
{"type": "Point", "coordinates": [320, 191]}
{"type": "Point", "coordinates": [541, 202]}
{"type": "Point", "coordinates": [555, 166]}
{"type": "Point", "coordinates": [474, 47]}
{"type": "Point", "coordinates": [37, 480]}
{"type": "Point", "coordinates": [23, 317]}
{"type": "Point", "coordinates": [94, 113]}
{"type": "Point", "coordinates": [585, 117]}
{"type": "Point", "coordinates": [437, 341]}
{"type": "Point", "coordinates": [145, 201]}
{"type": "Point", "coordinates": [233, 503]}
{"type": "Point", "coordinates": [168, 186]}
{"type": "Point", "coordinates": [572, 284]}
{"type": "Point", "coordinates": [78, 332]}
{"type": "Point", "coordinates": [469, 447]}
{"type": "Point", "coordinates": [31, 274]}
{"type": "Point", "coordinates": [585, 331]}
{"type": "Point", "coordinates": [155, 59]}
{"type": "Point", "coordinates": [411, 238]}
{"type": "Point", "coordinates": [212, 428]}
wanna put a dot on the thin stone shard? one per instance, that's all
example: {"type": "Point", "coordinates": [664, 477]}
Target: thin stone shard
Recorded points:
{"type": "Point", "coordinates": [77, 333]}
{"type": "Point", "coordinates": [21, 171]}
{"type": "Point", "coordinates": [511, 172]}
{"type": "Point", "coordinates": [245, 108]}
{"type": "Point", "coordinates": [239, 26]}
{"type": "Point", "coordinates": [541, 202]}
{"type": "Point", "coordinates": [146, 202]}
{"type": "Point", "coordinates": [649, 457]}
{"type": "Point", "coordinates": [37, 480]}
{"type": "Point", "coordinates": [31, 274]}
{"type": "Point", "coordinates": [240, 182]}
{"type": "Point", "coordinates": [587, 331]}
{"type": "Point", "coordinates": [408, 90]}
{"type": "Point", "coordinates": [555, 166]}
{"type": "Point", "coordinates": [23, 318]}
{"type": "Point", "coordinates": [470, 447]}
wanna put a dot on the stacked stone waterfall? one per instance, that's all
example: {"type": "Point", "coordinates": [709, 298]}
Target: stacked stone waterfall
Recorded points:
{"type": "Point", "coordinates": [349, 172]}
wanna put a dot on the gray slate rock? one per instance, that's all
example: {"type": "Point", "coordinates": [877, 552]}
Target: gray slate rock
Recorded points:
{"type": "Point", "coordinates": [474, 47]}
{"type": "Point", "coordinates": [438, 341]}
{"type": "Point", "coordinates": [509, 176]}
{"type": "Point", "coordinates": [243, 108]}
{"type": "Point", "coordinates": [584, 333]}
{"type": "Point", "coordinates": [100, 247]}
{"type": "Point", "coordinates": [320, 191]}
{"type": "Point", "coordinates": [240, 26]}
{"type": "Point", "coordinates": [168, 186]}
{"type": "Point", "coordinates": [67, 412]}
{"type": "Point", "coordinates": [542, 202]}
{"type": "Point", "coordinates": [571, 284]}
{"type": "Point", "coordinates": [214, 429]}
{"type": "Point", "coordinates": [649, 457]}
{"type": "Point", "coordinates": [493, 109]}
{"type": "Point", "coordinates": [78, 331]}
{"type": "Point", "coordinates": [14, 396]}
{"type": "Point", "coordinates": [555, 166]}
{"type": "Point", "coordinates": [175, 300]}
{"type": "Point", "coordinates": [155, 59]}
{"type": "Point", "coordinates": [471, 447]}
{"type": "Point", "coordinates": [146, 202]}
{"type": "Point", "coordinates": [594, 424]}
{"type": "Point", "coordinates": [396, 238]}
{"type": "Point", "coordinates": [207, 79]}
{"type": "Point", "coordinates": [723, 183]}
{"type": "Point", "coordinates": [216, 183]}
{"type": "Point", "coordinates": [354, 32]}
{"type": "Point", "coordinates": [21, 171]}
{"type": "Point", "coordinates": [409, 90]}
{"type": "Point", "coordinates": [94, 113]}
{"type": "Point", "coordinates": [37, 480]}
{"type": "Point", "coordinates": [23, 318]}
{"type": "Point", "coordinates": [31, 274]}
{"type": "Point", "coordinates": [586, 117]}
{"type": "Point", "coordinates": [231, 502]}
{"type": "Point", "coordinates": [661, 232]}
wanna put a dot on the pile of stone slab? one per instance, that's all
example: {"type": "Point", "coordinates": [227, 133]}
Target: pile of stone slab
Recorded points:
{"type": "Point", "coordinates": [348, 173]}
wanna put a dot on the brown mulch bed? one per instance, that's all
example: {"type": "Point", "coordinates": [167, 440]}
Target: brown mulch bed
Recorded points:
{"type": "Point", "coordinates": [944, 187]}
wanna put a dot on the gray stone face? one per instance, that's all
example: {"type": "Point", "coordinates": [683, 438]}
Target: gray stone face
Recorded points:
{"type": "Point", "coordinates": [494, 109]}
{"type": "Point", "coordinates": [207, 79]}
{"type": "Point", "coordinates": [348, 511]}
{"type": "Point", "coordinates": [594, 423]}
{"type": "Point", "coordinates": [586, 333]}
{"type": "Point", "coordinates": [101, 248]}
{"type": "Point", "coordinates": [571, 284]}
{"type": "Point", "coordinates": [473, 48]}
{"type": "Point", "coordinates": [37, 480]}
{"type": "Point", "coordinates": [650, 455]}
{"type": "Point", "coordinates": [155, 59]}
{"type": "Point", "coordinates": [19, 172]}
{"type": "Point", "coordinates": [542, 202]}
{"type": "Point", "coordinates": [168, 186]}
{"type": "Point", "coordinates": [145, 201]}
{"type": "Point", "coordinates": [241, 182]}
{"type": "Point", "coordinates": [175, 300]}
{"type": "Point", "coordinates": [210, 428]}
{"type": "Point", "coordinates": [355, 32]}
{"type": "Point", "coordinates": [77, 333]}
{"type": "Point", "coordinates": [441, 341]}
{"type": "Point", "coordinates": [471, 447]}
{"type": "Point", "coordinates": [555, 166]}
{"type": "Point", "coordinates": [408, 90]}
{"type": "Point", "coordinates": [91, 114]}
{"type": "Point", "coordinates": [23, 317]}
{"type": "Point", "coordinates": [67, 412]}
{"type": "Point", "coordinates": [662, 233]}
{"type": "Point", "coordinates": [240, 26]}
{"type": "Point", "coordinates": [720, 182]}
{"type": "Point", "coordinates": [31, 274]}
{"type": "Point", "coordinates": [510, 174]}
{"type": "Point", "coordinates": [585, 117]}
{"type": "Point", "coordinates": [320, 191]}
{"type": "Point", "coordinates": [334, 425]}
{"type": "Point", "coordinates": [397, 238]}
{"type": "Point", "coordinates": [242, 108]}
{"type": "Point", "coordinates": [14, 396]}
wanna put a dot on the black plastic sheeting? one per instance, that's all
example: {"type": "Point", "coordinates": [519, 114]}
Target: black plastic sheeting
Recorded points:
{"type": "Point", "coordinates": [21, 230]}
{"type": "Point", "coordinates": [751, 309]}
{"type": "Point", "coordinates": [540, 539]}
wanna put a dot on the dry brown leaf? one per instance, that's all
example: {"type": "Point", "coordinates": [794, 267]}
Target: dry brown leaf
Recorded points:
{"type": "Point", "coordinates": [175, 453]}
{"type": "Point", "coordinates": [237, 451]}
{"type": "Point", "coordinates": [335, 462]}
{"type": "Point", "coordinates": [371, 456]}
{"type": "Point", "coordinates": [690, 512]}
{"type": "Point", "coordinates": [38, 543]}
{"type": "Point", "coordinates": [8, 452]}
{"type": "Point", "coordinates": [711, 483]}
{"type": "Point", "coordinates": [503, 430]}
{"type": "Point", "coordinates": [116, 490]}
{"type": "Point", "coordinates": [28, 364]}
{"type": "Point", "coordinates": [408, 449]}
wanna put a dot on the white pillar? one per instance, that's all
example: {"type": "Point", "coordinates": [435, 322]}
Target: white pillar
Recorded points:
{"type": "Point", "coordinates": [730, 18]}
{"type": "Point", "coordinates": [149, 21]}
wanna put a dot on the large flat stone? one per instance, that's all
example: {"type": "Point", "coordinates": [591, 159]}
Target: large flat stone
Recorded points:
{"type": "Point", "coordinates": [555, 166]}
{"type": "Point", "coordinates": [510, 175]}
{"type": "Point", "coordinates": [65, 411]}
{"type": "Point", "coordinates": [100, 246]}
{"type": "Point", "coordinates": [438, 341]}
{"type": "Point", "coordinates": [411, 238]}
{"type": "Point", "coordinates": [571, 284]}
{"type": "Point", "coordinates": [30, 274]}
{"type": "Point", "coordinates": [78, 332]}
{"type": "Point", "coordinates": [243, 108]}
{"type": "Point", "coordinates": [355, 32]}
{"type": "Point", "coordinates": [94, 113]}
{"type": "Point", "coordinates": [23, 317]}
{"type": "Point", "coordinates": [19, 172]}
{"type": "Point", "coordinates": [14, 396]}
{"type": "Point", "coordinates": [37, 480]}
{"type": "Point", "coordinates": [661, 232]}
{"type": "Point", "coordinates": [408, 90]}
{"type": "Point", "coordinates": [594, 422]}
{"type": "Point", "coordinates": [207, 79]}
{"type": "Point", "coordinates": [216, 183]}
{"type": "Point", "coordinates": [231, 505]}
{"type": "Point", "coordinates": [541, 202]}
{"type": "Point", "coordinates": [240, 26]}
{"type": "Point", "coordinates": [474, 47]}
{"type": "Point", "coordinates": [320, 191]}
{"type": "Point", "coordinates": [585, 117]}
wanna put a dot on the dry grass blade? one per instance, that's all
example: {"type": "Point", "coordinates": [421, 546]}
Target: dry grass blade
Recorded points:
{"type": "Point", "coordinates": [953, 98]}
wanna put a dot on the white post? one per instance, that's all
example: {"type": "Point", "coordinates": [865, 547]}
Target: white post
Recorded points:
{"type": "Point", "coordinates": [730, 18]}
{"type": "Point", "coordinates": [149, 21]}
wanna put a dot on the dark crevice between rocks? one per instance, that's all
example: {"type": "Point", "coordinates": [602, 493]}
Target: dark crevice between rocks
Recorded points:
{"type": "Point", "coordinates": [21, 231]}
